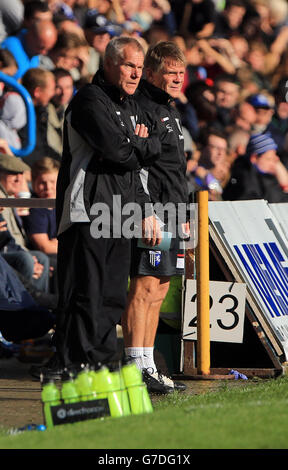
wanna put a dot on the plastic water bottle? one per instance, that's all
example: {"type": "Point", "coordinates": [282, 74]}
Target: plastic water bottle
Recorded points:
{"type": "Point", "coordinates": [105, 386]}
{"type": "Point", "coordinates": [118, 395]}
{"type": "Point", "coordinates": [69, 392]}
{"type": "Point", "coordinates": [51, 397]}
{"type": "Point", "coordinates": [140, 401]}
{"type": "Point", "coordinates": [101, 381]}
{"type": "Point", "coordinates": [84, 386]}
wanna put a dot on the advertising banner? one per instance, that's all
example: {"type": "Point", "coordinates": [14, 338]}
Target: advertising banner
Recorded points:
{"type": "Point", "coordinates": [257, 244]}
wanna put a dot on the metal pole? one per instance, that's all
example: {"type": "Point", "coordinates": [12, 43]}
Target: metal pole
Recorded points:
{"type": "Point", "coordinates": [202, 279]}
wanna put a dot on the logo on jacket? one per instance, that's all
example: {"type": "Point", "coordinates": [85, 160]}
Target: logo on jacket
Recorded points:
{"type": "Point", "coordinates": [155, 258]}
{"type": "Point", "coordinates": [181, 137]}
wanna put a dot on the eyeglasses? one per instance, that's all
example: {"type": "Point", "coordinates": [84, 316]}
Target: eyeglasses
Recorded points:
{"type": "Point", "coordinates": [216, 147]}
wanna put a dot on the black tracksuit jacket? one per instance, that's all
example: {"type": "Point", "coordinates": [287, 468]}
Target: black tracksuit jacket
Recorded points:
{"type": "Point", "coordinates": [102, 156]}
{"type": "Point", "coordinates": [167, 176]}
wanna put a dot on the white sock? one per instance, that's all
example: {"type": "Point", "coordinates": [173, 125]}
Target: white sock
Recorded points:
{"type": "Point", "coordinates": [137, 355]}
{"type": "Point", "coordinates": [149, 359]}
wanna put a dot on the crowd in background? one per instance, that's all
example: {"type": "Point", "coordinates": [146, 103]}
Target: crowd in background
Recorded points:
{"type": "Point", "coordinates": [233, 104]}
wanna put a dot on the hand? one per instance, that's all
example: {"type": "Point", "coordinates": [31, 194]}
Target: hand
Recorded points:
{"type": "Point", "coordinates": [38, 269]}
{"type": "Point", "coordinates": [3, 226]}
{"type": "Point", "coordinates": [151, 231]}
{"type": "Point", "coordinates": [4, 147]}
{"type": "Point", "coordinates": [141, 130]}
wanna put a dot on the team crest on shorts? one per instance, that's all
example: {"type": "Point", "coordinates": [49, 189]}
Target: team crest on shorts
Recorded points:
{"type": "Point", "coordinates": [154, 258]}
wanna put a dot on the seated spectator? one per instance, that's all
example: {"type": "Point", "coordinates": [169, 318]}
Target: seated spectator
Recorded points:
{"type": "Point", "coordinates": [41, 86]}
{"type": "Point", "coordinates": [264, 106]}
{"type": "Point", "coordinates": [201, 99]}
{"type": "Point", "coordinates": [11, 17]}
{"type": "Point", "coordinates": [63, 93]}
{"type": "Point", "coordinates": [68, 54]}
{"type": "Point", "coordinates": [278, 126]}
{"type": "Point", "coordinates": [12, 107]}
{"type": "Point", "coordinates": [98, 31]}
{"type": "Point", "coordinates": [216, 60]}
{"type": "Point", "coordinates": [198, 18]}
{"type": "Point", "coordinates": [29, 43]}
{"type": "Point", "coordinates": [259, 174]}
{"type": "Point", "coordinates": [40, 224]}
{"type": "Point", "coordinates": [36, 10]}
{"type": "Point", "coordinates": [34, 265]}
{"type": "Point", "coordinates": [21, 317]}
{"type": "Point", "coordinates": [244, 116]}
{"type": "Point", "coordinates": [194, 59]}
{"type": "Point", "coordinates": [229, 20]}
{"type": "Point", "coordinates": [261, 63]}
{"type": "Point", "coordinates": [237, 139]}
{"type": "Point", "coordinates": [227, 96]}
{"type": "Point", "coordinates": [213, 163]}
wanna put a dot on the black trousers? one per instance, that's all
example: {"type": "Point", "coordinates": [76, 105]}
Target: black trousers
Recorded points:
{"type": "Point", "coordinates": [92, 284]}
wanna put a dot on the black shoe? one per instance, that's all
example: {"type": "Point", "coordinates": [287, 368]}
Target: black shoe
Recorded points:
{"type": "Point", "coordinates": [53, 370]}
{"type": "Point", "coordinates": [155, 383]}
{"type": "Point", "coordinates": [180, 386]}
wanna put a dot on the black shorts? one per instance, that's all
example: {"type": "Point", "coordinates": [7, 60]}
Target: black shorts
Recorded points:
{"type": "Point", "coordinates": [148, 262]}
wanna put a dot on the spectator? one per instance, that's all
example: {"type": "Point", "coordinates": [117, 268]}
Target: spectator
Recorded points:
{"type": "Point", "coordinates": [229, 21]}
{"type": "Point", "coordinates": [216, 61]}
{"type": "Point", "coordinates": [213, 163]}
{"type": "Point", "coordinates": [40, 224]}
{"type": "Point", "coordinates": [64, 90]}
{"type": "Point", "coordinates": [64, 53]}
{"type": "Point", "coordinates": [21, 316]}
{"type": "Point", "coordinates": [261, 62]}
{"type": "Point", "coordinates": [12, 107]}
{"type": "Point", "coordinates": [194, 58]}
{"type": "Point", "coordinates": [198, 18]}
{"type": "Point", "coordinates": [264, 106]}
{"type": "Point", "coordinates": [33, 265]}
{"type": "Point", "coordinates": [244, 116]}
{"type": "Point", "coordinates": [36, 10]}
{"type": "Point", "coordinates": [278, 126]}
{"type": "Point", "coordinates": [237, 140]}
{"type": "Point", "coordinates": [256, 176]}
{"type": "Point", "coordinates": [11, 17]}
{"type": "Point", "coordinates": [41, 86]}
{"type": "Point", "coordinates": [227, 96]}
{"type": "Point", "coordinates": [201, 98]}
{"type": "Point", "coordinates": [98, 32]}
{"type": "Point", "coordinates": [29, 43]}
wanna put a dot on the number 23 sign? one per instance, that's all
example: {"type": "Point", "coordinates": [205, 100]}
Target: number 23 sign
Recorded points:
{"type": "Point", "coordinates": [227, 311]}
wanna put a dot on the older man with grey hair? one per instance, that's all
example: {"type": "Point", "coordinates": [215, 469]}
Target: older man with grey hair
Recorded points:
{"type": "Point", "coordinates": [106, 143]}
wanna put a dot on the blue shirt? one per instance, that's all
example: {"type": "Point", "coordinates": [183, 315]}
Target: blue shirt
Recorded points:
{"type": "Point", "coordinates": [41, 220]}
{"type": "Point", "coordinates": [16, 45]}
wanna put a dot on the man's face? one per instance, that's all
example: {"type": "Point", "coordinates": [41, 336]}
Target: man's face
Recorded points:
{"type": "Point", "coordinates": [169, 78]}
{"type": "Point", "coordinates": [11, 182]}
{"type": "Point", "coordinates": [267, 162]}
{"type": "Point", "coordinates": [227, 94]}
{"type": "Point", "coordinates": [45, 185]}
{"type": "Point", "coordinates": [246, 116]}
{"type": "Point", "coordinates": [63, 91]}
{"type": "Point", "coordinates": [66, 59]}
{"type": "Point", "coordinates": [216, 148]}
{"type": "Point", "coordinates": [44, 95]}
{"type": "Point", "coordinates": [99, 41]}
{"type": "Point", "coordinates": [263, 116]}
{"type": "Point", "coordinates": [126, 74]}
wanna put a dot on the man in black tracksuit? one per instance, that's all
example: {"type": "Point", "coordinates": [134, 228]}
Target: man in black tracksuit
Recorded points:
{"type": "Point", "coordinates": [104, 149]}
{"type": "Point", "coordinates": [166, 182]}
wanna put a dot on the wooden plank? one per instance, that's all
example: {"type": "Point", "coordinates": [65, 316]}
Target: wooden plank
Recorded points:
{"type": "Point", "coordinates": [27, 202]}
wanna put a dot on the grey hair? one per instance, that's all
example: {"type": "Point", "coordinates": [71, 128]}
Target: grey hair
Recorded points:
{"type": "Point", "coordinates": [114, 49]}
